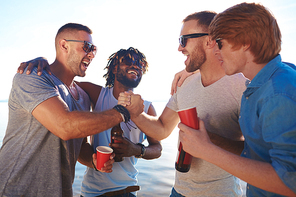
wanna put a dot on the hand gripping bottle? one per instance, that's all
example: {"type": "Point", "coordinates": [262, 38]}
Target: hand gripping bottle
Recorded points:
{"type": "Point", "coordinates": [116, 131]}
{"type": "Point", "coordinates": [189, 118]}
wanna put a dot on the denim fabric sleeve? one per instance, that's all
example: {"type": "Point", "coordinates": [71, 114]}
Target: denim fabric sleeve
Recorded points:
{"type": "Point", "coordinates": [279, 130]}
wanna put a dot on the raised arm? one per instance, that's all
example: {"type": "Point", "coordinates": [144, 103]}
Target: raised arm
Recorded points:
{"type": "Point", "coordinates": [153, 150]}
{"type": "Point", "coordinates": [127, 148]}
{"type": "Point", "coordinates": [54, 115]}
{"type": "Point", "coordinates": [158, 128]}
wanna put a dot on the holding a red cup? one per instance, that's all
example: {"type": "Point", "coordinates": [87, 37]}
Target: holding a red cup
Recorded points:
{"type": "Point", "coordinates": [103, 155]}
{"type": "Point", "coordinates": [190, 119]}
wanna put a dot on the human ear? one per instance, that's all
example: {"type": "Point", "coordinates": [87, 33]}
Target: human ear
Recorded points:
{"type": "Point", "coordinates": [210, 43]}
{"type": "Point", "coordinates": [246, 47]}
{"type": "Point", "coordinates": [63, 45]}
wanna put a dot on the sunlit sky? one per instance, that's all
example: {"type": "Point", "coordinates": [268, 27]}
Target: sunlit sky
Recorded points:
{"type": "Point", "coordinates": [28, 29]}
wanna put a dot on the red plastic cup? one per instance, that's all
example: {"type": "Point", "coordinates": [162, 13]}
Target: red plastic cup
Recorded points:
{"type": "Point", "coordinates": [103, 155]}
{"type": "Point", "coordinates": [189, 118]}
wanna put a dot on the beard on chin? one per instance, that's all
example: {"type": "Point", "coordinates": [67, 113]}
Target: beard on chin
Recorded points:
{"type": "Point", "coordinates": [126, 82]}
{"type": "Point", "coordinates": [198, 58]}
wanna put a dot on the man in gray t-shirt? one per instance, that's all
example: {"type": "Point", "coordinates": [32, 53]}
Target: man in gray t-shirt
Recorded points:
{"type": "Point", "coordinates": [217, 100]}
{"type": "Point", "coordinates": [48, 121]}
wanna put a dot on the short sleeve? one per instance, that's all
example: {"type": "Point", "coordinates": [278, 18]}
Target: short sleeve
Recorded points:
{"type": "Point", "coordinates": [28, 91]}
{"type": "Point", "coordinates": [173, 104]}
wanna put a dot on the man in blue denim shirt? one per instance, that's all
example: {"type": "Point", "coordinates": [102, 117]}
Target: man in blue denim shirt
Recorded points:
{"type": "Point", "coordinates": [249, 41]}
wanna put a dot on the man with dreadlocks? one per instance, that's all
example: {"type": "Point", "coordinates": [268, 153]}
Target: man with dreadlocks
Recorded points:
{"type": "Point", "coordinates": [124, 72]}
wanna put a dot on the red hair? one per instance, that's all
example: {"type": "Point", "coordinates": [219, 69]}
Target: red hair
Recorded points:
{"type": "Point", "coordinates": [249, 24]}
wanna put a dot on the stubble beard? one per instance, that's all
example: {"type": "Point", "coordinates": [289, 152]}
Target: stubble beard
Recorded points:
{"type": "Point", "coordinates": [198, 58]}
{"type": "Point", "coordinates": [75, 64]}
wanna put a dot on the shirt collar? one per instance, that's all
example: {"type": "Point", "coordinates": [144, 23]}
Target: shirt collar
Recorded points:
{"type": "Point", "coordinates": [263, 75]}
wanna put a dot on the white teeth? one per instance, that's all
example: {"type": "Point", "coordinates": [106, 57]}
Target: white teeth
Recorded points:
{"type": "Point", "coordinates": [86, 63]}
{"type": "Point", "coordinates": [131, 71]}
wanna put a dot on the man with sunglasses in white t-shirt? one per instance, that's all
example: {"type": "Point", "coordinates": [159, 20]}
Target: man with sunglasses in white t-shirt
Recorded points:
{"type": "Point", "coordinates": [217, 100]}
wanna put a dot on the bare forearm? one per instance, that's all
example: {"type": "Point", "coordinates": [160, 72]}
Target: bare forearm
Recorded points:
{"type": "Point", "coordinates": [149, 125]}
{"type": "Point", "coordinates": [157, 128]}
{"type": "Point", "coordinates": [85, 155]}
{"type": "Point", "coordinates": [256, 173]}
{"type": "Point", "coordinates": [82, 124]}
{"type": "Point", "coordinates": [232, 146]}
{"type": "Point", "coordinates": [153, 151]}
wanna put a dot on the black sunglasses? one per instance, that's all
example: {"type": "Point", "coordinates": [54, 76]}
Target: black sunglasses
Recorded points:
{"type": "Point", "coordinates": [87, 47]}
{"type": "Point", "coordinates": [183, 38]}
{"type": "Point", "coordinates": [129, 61]}
{"type": "Point", "coordinates": [219, 43]}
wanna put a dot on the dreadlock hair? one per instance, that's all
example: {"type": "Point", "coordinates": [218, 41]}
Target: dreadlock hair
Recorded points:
{"type": "Point", "coordinates": [131, 55]}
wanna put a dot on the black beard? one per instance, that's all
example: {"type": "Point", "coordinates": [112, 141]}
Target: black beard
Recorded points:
{"type": "Point", "coordinates": [121, 77]}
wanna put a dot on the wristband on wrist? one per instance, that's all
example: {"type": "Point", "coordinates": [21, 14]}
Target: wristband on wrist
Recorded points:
{"type": "Point", "coordinates": [92, 162]}
{"type": "Point", "coordinates": [124, 112]}
{"type": "Point", "coordinates": [143, 150]}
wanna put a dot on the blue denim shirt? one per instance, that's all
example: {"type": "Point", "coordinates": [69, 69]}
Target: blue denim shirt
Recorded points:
{"type": "Point", "coordinates": [268, 121]}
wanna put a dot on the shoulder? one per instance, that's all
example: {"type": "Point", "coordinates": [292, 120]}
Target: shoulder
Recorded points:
{"type": "Point", "coordinates": [236, 78]}
{"type": "Point", "coordinates": [283, 81]}
{"type": "Point", "coordinates": [237, 81]}
{"type": "Point", "coordinates": [193, 77]}
{"type": "Point", "coordinates": [189, 82]}
{"type": "Point", "coordinates": [32, 79]}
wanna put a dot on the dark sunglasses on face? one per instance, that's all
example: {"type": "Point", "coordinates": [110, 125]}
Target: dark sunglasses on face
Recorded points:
{"type": "Point", "coordinates": [219, 43]}
{"type": "Point", "coordinates": [183, 38]}
{"type": "Point", "coordinates": [87, 47]}
{"type": "Point", "coordinates": [128, 61]}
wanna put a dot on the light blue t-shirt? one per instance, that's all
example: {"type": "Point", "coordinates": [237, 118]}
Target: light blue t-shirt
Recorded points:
{"type": "Point", "coordinates": [267, 120]}
{"type": "Point", "coordinates": [124, 173]}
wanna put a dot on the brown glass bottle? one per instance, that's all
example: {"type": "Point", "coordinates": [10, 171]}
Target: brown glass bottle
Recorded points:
{"type": "Point", "coordinates": [188, 117]}
{"type": "Point", "coordinates": [116, 131]}
{"type": "Point", "coordinates": [183, 161]}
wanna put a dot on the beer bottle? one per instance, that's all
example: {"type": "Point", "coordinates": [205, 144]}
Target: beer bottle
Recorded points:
{"type": "Point", "coordinates": [116, 131]}
{"type": "Point", "coordinates": [183, 160]}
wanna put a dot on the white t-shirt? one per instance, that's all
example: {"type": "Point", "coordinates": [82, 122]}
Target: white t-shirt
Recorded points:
{"type": "Point", "coordinates": [218, 105]}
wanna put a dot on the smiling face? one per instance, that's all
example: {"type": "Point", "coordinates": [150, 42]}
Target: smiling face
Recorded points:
{"type": "Point", "coordinates": [78, 60]}
{"type": "Point", "coordinates": [128, 74]}
{"type": "Point", "coordinates": [194, 50]}
{"type": "Point", "coordinates": [233, 60]}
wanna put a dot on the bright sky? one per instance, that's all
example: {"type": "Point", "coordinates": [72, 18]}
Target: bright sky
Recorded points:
{"type": "Point", "coordinates": [28, 29]}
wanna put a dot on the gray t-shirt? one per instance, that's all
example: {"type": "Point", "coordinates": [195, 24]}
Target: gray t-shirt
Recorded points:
{"type": "Point", "coordinates": [33, 161]}
{"type": "Point", "coordinates": [218, 105]}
